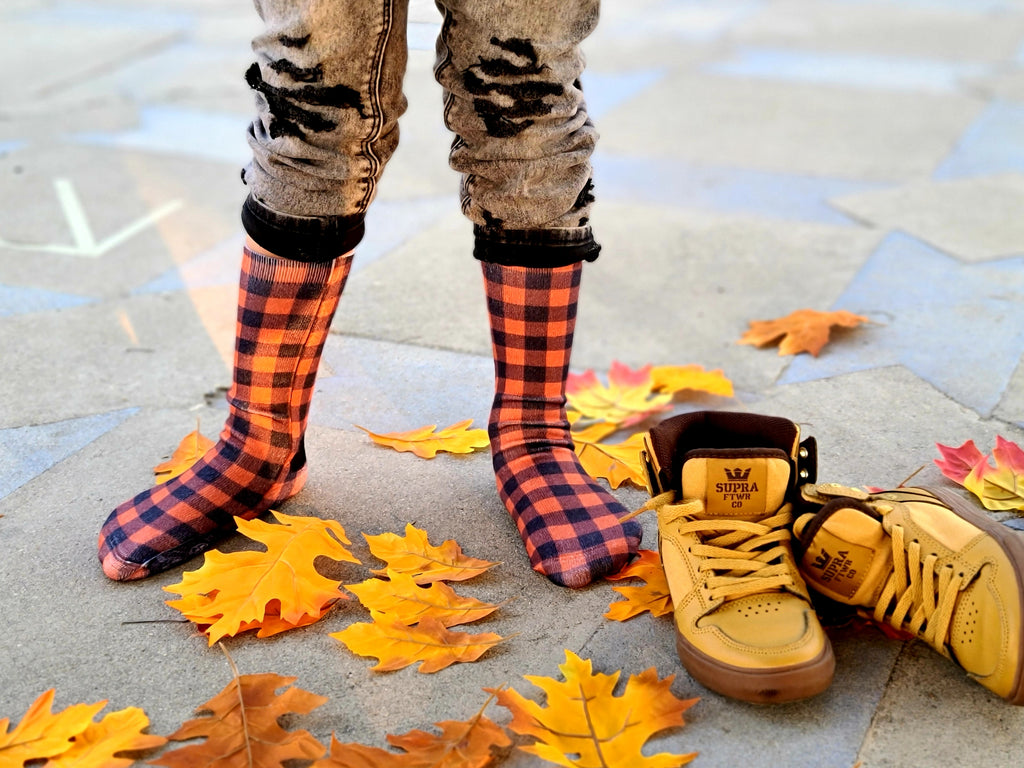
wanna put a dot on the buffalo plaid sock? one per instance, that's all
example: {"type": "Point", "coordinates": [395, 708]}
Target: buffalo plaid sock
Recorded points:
{"type": "Point", "coordinates": [284, 314]}
{"type": "Point", "coordinates": [568, 522]}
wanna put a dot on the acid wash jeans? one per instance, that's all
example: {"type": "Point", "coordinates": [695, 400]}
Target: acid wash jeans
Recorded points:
{"type": "Point", "coordinates": [328, 84]}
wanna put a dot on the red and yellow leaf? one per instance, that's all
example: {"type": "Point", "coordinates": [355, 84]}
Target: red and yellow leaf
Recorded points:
{"type": "Point", "coordinates": [240, 729]}
{"type": "Point", "coordinates": [425, 442]}
{"type": "Point", "coordinates": [401, 598]}
{"type": "Point", "coordinates": [805, 330]}
{"type": "Point", "coordinates": [42, 733]}
{"type": "Point", "coordinates": [957, 463]}
{"type": "Point", "coordinates": [396, 645]}
{"type": "Point", "coordinates": [244, 585]}
{"type": "Point", "coordinates": [584, 724]}
{"type": "Point", "coordinates": [100, 743]}
{"type": "Point", "coordinates": [188, 452]}
{"type": "Point", "coordinates": [415, 556]}
{"type": "Point", "coordinates": [677, 378]}
{"type": "Point", "coordinates": [1000, 487]}
{"type": "Point", "coordinates": [653, 596]}
{"type": "Point", "coordinates": [628, 399]}
{"type": "Point", "coordinates": [617, 463]}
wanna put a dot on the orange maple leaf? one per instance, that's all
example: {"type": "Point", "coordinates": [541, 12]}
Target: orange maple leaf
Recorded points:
{"type": "Point", "coordinates": [396, 645]}
{"type": "Point", "coordinates": [401, 598]}
{"type": "Point", "coordinates": [628, 399]}
{"type": "Point", "coordinates": [415, 556]}
{"type": "Point", "coordinates": [240, 727]}
{"type": "Point", "coordinates": [42, 733]}
{"type": "Point", "coordinates": [677, 378]}
{"type": "Point", "coordinates": [188, 452]}
{"type": "Point", "coordinates": [805, 330]}
{"type": "Point", "coordinates": [999, 487]}
{"type": "Point", "coordinates": [461, 744]}
{"type": "Point", "coordinates": [653, 596]}
{"type": "Point", "coordinates": [242, 585]}
{"type": "Point", "coordinates": [98, 745]}
{"type": "Point", "coordinates": [426, 443]}
{"type": "Point", "coordinates": [584, 723]}
{"type": "Point", "coordinates": [617, 463]}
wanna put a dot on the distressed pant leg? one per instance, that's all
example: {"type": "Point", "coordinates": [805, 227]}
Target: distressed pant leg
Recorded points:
{"type": "Point", "coordinates": [328, 85]}
{"type": "Point", "coordinates": [510, 71]}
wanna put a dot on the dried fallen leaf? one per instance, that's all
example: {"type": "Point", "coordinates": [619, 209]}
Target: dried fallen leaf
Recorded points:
{"type": "Point", "coordinates": [584, 725]}
{"type": "Point", "coordinates": [396, 645]}
{"type": "Point", "coordinates": [628, 399]}
{"type": "Point", "coordinates": [401, 598]}
{"type": "Point", "coordinates": [426, 443]}
{"type": "Point", "coordinates": [677, 378]}
{"type": "Point", "coordinates": [188, 452]}
{"type": "Point", "coordinates": [805, 330]}
{"type": "Point", "coordinates": [42, 733]}
{"type": "Point", "coordinates": [653, 596]}
{"type": "Point", "coordinates": [461, 744]}
{"type": "Point", "coordinates": [999, 487]}
{"type": "Point", "coordinates": [617, 463]}
{"type": "Point", "coordinates": [415, 556]}
{"type": "Point", "coordinates": [98, 745]}
{"type": "Point", "coordinates": [242, 585]}
{"type": "Point", "coordinates": [240, 727]}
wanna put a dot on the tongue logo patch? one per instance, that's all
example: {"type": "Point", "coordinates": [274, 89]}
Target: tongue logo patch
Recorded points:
{"type": "Point", "coordinates": [738, 488]}
{"type": "Point", "coordinates": [835, 567]}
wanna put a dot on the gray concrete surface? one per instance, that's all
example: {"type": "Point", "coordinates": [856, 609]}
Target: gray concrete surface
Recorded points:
{"type": "Point", "coordinates": [757, 156]}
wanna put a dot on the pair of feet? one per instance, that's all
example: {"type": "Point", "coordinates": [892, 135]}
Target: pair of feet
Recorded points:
{"type": "Point", "coordinates": [568, 522]}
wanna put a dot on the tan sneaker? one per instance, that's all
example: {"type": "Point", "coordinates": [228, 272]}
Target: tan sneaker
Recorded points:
{"type": "Point", "coordinates": [927, 563]}
{"type": "Point", "coordinates": [745, 626]}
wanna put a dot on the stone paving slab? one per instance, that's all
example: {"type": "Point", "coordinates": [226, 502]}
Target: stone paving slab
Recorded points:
{"type": "Point", "coordinates": [757, 156]}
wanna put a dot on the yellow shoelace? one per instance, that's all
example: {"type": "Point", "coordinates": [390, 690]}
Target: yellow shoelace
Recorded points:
{"type": "Point", "coordinates": [917, 584]}
{"type": "Point", "coordinates": [739, 557]}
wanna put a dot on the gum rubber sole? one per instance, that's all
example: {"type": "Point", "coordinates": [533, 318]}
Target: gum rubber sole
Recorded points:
{"type": "Point", "coordinates": [762, 686]}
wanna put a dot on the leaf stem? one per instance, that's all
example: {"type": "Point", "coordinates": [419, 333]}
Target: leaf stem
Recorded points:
{"type": "Point", "coordinates": [241, 706]}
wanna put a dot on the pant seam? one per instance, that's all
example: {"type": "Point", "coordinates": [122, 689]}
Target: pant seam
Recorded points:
{"type": "Point", "coordinates": [375, 102]}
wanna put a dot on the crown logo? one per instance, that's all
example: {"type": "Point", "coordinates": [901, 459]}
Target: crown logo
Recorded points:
{"type": "Point", "coordinates": [822, 560]}
{"type": "Point", "coordinates": [737, 474]}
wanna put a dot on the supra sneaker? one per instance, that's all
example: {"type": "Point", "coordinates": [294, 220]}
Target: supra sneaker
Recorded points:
{"type": "Point", "coordinates": [927, 563]}
{"type": "Point", "coordinates": [745, 626]}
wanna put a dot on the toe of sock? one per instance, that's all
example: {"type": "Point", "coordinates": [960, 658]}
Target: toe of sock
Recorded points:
{"type": "Point", "coordinates": [121, 570]}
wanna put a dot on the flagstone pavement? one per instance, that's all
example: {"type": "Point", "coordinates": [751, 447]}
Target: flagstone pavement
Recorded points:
{"type": "Point", "coordinates": [757, 156]}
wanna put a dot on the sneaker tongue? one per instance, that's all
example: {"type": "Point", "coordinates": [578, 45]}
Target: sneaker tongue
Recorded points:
{"type": "Point", "coordinates": [847, 554]}
{"type": "Point", "coordinates": [745, 484]}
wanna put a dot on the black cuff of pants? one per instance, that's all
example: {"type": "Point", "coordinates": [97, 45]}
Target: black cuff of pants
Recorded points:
{"type": "Point", "coordinates": [301, 238]}
{"type": "Point", "coordinates": [546, 248]}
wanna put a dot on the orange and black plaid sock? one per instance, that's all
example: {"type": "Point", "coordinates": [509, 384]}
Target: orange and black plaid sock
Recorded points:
{"type": "Point", "coordinates": [284, 315]}
{"type": "Point", "coordinates": [569, 523]}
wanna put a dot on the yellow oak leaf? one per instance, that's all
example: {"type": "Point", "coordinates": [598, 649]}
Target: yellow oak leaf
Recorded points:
{"type": "Point", "coordinates": [805, 330]}
{"type": "Point", "coordinates": [242, 585]}
{"type": "Point", "coordinates": [98, 745]}
{"type": "Point", "coordinates": [676, 378]}
{"type": "Point", "coordinates": [617, 463]}
{"type": "Point", "coordinates": [653, 596]}
{"type": "Point", "coordinates": [189, 451]}
{"type": "Point", "coordinates": [401, 598]}
{"type": "Point", "coordinates": [194, 608]}
{"type": "Point", "coordinates": [42, 733]}
{"type": "Point", "coordinates": [584, 725]}
{"type": "Point", "coordinates": [426, 443]}
{"type": "Point", "coordinates": [461, 744]}
{"type": "Point", "coordinates": [415, 556]}
{"type": "Point", "coordinates": [239, 727]}
{"type": "Point", "coordinates": [628, 399]}
{"type": "Point", "coordinates": [396, 645]}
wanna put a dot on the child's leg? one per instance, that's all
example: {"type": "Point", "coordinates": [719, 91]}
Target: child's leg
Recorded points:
{"type": "Point", "coordinates": [328, 80]}
{"type": "Point", "coordinates": [512, 96]}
